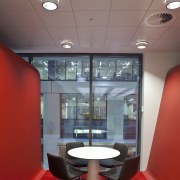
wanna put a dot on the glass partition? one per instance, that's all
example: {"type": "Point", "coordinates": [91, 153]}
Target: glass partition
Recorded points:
{"type": "Point", "coordinates": [116, 86]}
{"type": "Point", "coordinates": [89, 98]}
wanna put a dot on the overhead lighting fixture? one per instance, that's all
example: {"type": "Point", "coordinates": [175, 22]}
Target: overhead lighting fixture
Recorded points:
{"type": "Point", "coordinates": [50, 4]}
{"type": "Point", "coordinates": [45, 63]}
{"type": "Point", "coordinates": [141, 44]}
{"type": "Point", "coordinates": [172, 4]}
{"type": "Point", "coordinates": [67, 44]}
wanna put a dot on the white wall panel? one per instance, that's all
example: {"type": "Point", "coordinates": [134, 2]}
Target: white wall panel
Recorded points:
{"type": "Point", "coordinates": [45, 86]}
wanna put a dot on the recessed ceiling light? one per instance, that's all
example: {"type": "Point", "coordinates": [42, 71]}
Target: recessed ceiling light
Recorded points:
{"type": "Point", "coordinates": [141, 44]}
{"type": "Point", "coordinates": [67, 44]}
{"type": "Point", "coordinates": [171, 4]}
{"type": "Point", "coordinates": [50, 4]}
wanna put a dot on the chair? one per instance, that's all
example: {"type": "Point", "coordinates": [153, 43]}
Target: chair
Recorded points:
{"type": "Point", "coordinates": [117, 161]}
{"type": "Point", "coordinates": [124, 172]}
{"type": "Point", "coordinates": [76, 162]}
{"type": "Point", "coordinates": [59, 168]}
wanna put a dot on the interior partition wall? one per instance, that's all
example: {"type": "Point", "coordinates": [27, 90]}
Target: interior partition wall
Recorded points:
{"type": "Point", "coordinates": [20, 152]}
{"type": "Point", "coordinates": [92, 98]}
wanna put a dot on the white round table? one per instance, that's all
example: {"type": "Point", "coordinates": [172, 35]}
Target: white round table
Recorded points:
{"type": "Point", "coordinates": [93, 154]}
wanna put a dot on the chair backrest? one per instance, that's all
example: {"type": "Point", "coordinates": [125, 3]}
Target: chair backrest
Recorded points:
{"type": "Point", "coordinates": [57, 166]}
{"type": "Point", "coordinates": [123, 148]}
{"type": "Point", "coordinates": [71, 145]}
{"type": "Point", "coordinates": [129, 168]}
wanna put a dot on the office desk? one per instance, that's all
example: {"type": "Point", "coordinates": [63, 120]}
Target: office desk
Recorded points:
{"type": "Point", "coordinates": [93, 154]}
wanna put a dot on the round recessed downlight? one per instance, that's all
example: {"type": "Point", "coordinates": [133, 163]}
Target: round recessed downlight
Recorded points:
{"type": "Point", "coordinates": [50, 4]}
{"type": "Point", "coordinates": [67, 44]}
{"type": "Point", "coordinates": [173, 5]}
{"type": "Point", "coordinates": [141, 47]}
{"type": "Point", "coordinates": [141, 44]}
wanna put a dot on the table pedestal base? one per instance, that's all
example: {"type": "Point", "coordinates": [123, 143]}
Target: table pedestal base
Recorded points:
{"type": "Point", "coordinates": [93, 170]}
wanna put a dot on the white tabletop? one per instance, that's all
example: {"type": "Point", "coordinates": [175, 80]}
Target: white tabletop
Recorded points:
{"type": "Point", "coordinates": [94, 152]}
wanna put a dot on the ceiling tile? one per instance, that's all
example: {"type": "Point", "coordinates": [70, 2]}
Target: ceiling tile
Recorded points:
{"type": "Point", "coordinates": [115, 26]}
{"type": "Point", "coordinates": [126, 18]}
{"type": "Point", "coordinates": [91, 18]}
{"type": "Point", "coordinates": [120, 32]}
{"type": "Point", "coordinates": [15, 5]}
{"type": "Point", "coordinates": [27, 36]}
{"type": "Point", "coordinates": [158, 5]}
{"type": "Point", "coordinates": [63, 32]}
{"type": "Point", "coordinates": [119, 45]}
{"type": "Point", "coordinates": [172, 34]}
{"type": "Point", "coordinates": [34, 32]}
{"type": "Point", "coordinates": [16, 44]}
{"type": "Point", "coordinates": [150, 32]}
{"type": "Point", "coordinates": [4, 21]}
{"type": "Point", "coordinates": [116, 42]}
{"type": "Point", "coordinates": [64, 5]}
{"type": "Point", "coordinates": [91, 42]}
{"type": "Point", "coordinates": [177, 12]}
{"type": "Point", "coordinates": [91, 5]}
{"type": "Point", "coordinates": [23, 18]}
{"type": "Point", "coordinates": [166, 45]}
{"type": "Point", "coordinates": [11, 35]}
{"type": "Point", "coordinates": [91, 32]}
{"type": "Point", "coordinates": [176, 22]}
{"type": "Point", "coordinates": [40, 42]}
{"type": "Point", "coordinates": [58, 19]}
{"type": "Point", "coordinates": [130, 5]}
{"type": "Point", "coordinates": [29, 43]}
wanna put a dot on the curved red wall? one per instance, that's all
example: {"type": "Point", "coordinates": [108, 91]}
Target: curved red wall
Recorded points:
{"type": "Point", "coordinates": [20, 141]}
{"type": "Point", "coordinates": [164, 161]}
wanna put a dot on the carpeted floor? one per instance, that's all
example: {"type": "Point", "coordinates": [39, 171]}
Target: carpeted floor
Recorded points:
{"type": "Point", "coordinates": [49, 176]}
{"type": "Point", "coordinates": [139, 176]}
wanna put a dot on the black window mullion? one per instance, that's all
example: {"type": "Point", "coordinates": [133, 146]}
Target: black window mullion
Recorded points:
{"type": "Point", "coordinates": [90, 101]}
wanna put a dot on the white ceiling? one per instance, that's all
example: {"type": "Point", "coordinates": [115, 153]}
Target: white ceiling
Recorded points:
{"type": "Point", "coordinates": [94, 26]}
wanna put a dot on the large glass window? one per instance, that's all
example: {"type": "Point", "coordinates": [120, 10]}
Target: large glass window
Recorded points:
{"type": "Point", "coordinates": [89, 98]}
{"type": "Point", "coordinates": [75, 116]}
{"type": "Point", "coordinates": [42, 66]}
{"type": "Point", "coordinates": [26, 58]}
{"type": "Point", "coordinates": [117, 79]}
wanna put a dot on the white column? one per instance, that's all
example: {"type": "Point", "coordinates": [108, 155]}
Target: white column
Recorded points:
{"type": "Point", "coordinates": [93, 170]}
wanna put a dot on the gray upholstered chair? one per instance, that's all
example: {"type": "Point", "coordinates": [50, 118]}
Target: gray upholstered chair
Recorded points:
{"type": "Point", "coordinates": [117, 161]}
{"type": "Point", "coordinates": [124, 172]}
{"type": "Point", "coordinates": [76, 162]}
{"type": "Point", "coordinates": [59, 168]}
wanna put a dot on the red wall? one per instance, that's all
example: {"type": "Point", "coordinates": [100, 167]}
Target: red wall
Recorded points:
{"type": "Point", "coordinates": [164, 161]}
{"type": "Point", "coordinates": [20, 150]}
